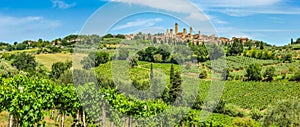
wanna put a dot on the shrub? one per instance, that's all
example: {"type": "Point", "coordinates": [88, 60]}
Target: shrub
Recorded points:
{"type": "Point", "coordinates": [269, 74]}
{"type": "Point", "coordinates": [217, 107]}
{"type": "Point", "coordinates": [157, 58]}
{"type": "Point", "coordinates": [133, 61]}
{"type": "Point", "coordinates": [296, 77]}
{"type": "Point", "coordinates": [188, 65]}
{"type": "Point", "coordinates": [25, 62]}
{"type": "Point", "coordinates": [256, 114]}
{"type": "Point", "coordinates": [203, 75]}
{"type": "Point", "coordinates": [244, 122]}
{"type": "Point", "coordinates": [234, 111]}
{"type": "Point", "coordinates": [123, 54]}
{"type": "Point", "coordinates": [254, 72]}
{"type": "Point", "coordinates": [283, 114]}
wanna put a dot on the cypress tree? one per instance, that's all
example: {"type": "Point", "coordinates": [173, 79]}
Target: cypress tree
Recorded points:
{"type": "Point", "coordinates": [172, 74]}
{"type": "Point", "coordinates": [175, 90]}
{"type": "Point", "coordinates": [151, 72]}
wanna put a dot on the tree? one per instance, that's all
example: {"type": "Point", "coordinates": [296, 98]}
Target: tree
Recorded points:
{"type": "Point", "coordinates": [21, 46]}
{"type": "Point", "coordinates": [215, 52]}
{"type": "Point", "coordinates": [25, 62]}
{"type": "Point", "coordinates": [261, 46]}
{"type": "Point", "coordinates": [248, 44]}
{"type": "Point", "coordinates": [288, 57]}
{"type": "Point", "coordinates": [151, 72]}
{"type": "Point", "coordinates": [296, 77]}
{"type": "Point", "coordinates": [203, 75]}
{"type": "Point", "coordinates": [121, 36]}
{"type": "Point", "coordinates": [123, 54]}
{"type": "Point", "coordinates": [66, 77]}
{"type": "Point", "coordinates": [154, 40]}
{"type": "Point", "coordinates": [175, 90]}
{"type": "Point", "coordinates": [188, 65]}
{"type": "Point", "coordinates": [7, 70]}
{"type": "Point", "coordinates": [253, 54]}
{"type": "Point", "coordinates": [157, 58]}
{"type": "Point", "coordinates": [225, 74]}
{"type": "Point", "coordinates": [292, 41]}
{"type": "Point", "coordinates": [269, 74]}
{"type": "Point", "coordinates": [283, 114]}
{"type": "Point", "coordinates": [59, 68]}
{"type": "Point", "coordinates": [87, 63]}
{"type": "Point", "coordinates": [172, 74]}
{"type": "Point", "coordinates": [236, 48]}
{"type": "Point", "coordinates": [108, 36]}
{"type": "Point", "coordinates": [254, 72]}
{"type": "Point", "coordinates": [95, 59]}
{"type": "Point", "coordinates": [259, 55]}
{"type": "Point", "coordinates": [70, 38]}
{"type": "Point", "coordinates": [298, 41]}
{"type": "Point", "coordinates": [149, 53]}
{"type": "Point", "coordinates": [133, 61]}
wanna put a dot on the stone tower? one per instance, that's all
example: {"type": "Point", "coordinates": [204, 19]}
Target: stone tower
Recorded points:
{"type": "Point", "coordinates": [184, 31]}
{"type": "Point", "coordinates": [176, 28]}
{"type": "Point", "coordinates": [191, 33]}
{"type": "Point", "coordinates": [171, 32]}
{"type": "Point", "coordinates": [167, 32]}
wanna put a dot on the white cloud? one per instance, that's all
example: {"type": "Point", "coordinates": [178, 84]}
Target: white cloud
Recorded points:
{"type": "Point", "coordinates": [248, 7]}
{"type": "Point", "coordinates": [61, 4]}
{"type": "Point", "coordinates": [178, 6]}
{"type": "Point", "coordinates": [12, 21]}
{"type": "Point", "coordinates": [251, 11]}
{"type": "Point", "coordinates": [152, 30]}
{"type": "Point", "coordinates": [198, 16]}
{"type": "Point", "coordinates": [139, 22]}
{"type": "Point", "coordinates": [168, 5]}
{"type": "Point", "coordinates": [250, 33]}
{"type": "Point", "coordinates": [216, 20]}
{"type": "Point", "coordinates": [14, 28]}
{"type": "Point", "coordinates": [236, 3]}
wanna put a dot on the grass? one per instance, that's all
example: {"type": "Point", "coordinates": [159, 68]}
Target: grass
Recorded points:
{"type": "Point", "coordinates": [3, 119]}
{"type": "Point", "coordinates": [18, 51]}
{"type": "Point", "coordinates": [48, 59]}
{"type": "Point", "coordinates": [257, 95]}
{"type": "Point", "coordinates": [49, 122]}
{"type": "Point", "coordinates": [247, 95]}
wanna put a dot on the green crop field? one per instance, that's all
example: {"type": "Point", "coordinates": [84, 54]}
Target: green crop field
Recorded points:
{"type": "Point", "coordinates": [48, 59]}
{"type": "Point", "coordinates": [135, 87]}
{"type": "Point", "coordinates": [250, 95]}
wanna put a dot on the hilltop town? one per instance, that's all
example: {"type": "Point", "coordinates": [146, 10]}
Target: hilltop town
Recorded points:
{"type": "Point", "coordinates": [175, 36]}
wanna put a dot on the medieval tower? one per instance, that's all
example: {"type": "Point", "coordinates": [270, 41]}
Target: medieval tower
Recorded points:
{"type": "Point", "coordinates": [184, 32]}
{"type": "Point", "coordinates": [176, 28]}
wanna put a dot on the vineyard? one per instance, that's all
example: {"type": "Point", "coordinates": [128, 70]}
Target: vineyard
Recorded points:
{"type": "Point", "coordinates": [118, 88]}
{"type": "Point", "coordinates": [240, 62]}
{"type": "Point", "coordinates": [29, 99]}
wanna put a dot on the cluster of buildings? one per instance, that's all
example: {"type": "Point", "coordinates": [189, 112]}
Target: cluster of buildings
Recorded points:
{"type": "Point", "coordinates": [175, 36]}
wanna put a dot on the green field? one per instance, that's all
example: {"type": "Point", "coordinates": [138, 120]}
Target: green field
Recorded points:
{"type": "Point", "coordinates": [237, 94]}
{"type": "Point", "coordinates": [48, 59]}
{"type": "Point", "coordinates": [250, 95]}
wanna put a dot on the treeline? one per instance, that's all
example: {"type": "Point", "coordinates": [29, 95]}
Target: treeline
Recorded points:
{"type": "Point", "coordinates": [28, 99]}
{"type": "Point", "coordinates": [67, 41]}
{"type": "Point", "coordinates": [295, 42]}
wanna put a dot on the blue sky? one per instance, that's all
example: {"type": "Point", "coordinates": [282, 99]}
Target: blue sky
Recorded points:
{"type": "Point", "coordinates": [273, 21]}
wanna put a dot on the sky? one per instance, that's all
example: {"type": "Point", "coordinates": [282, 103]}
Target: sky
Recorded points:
{"type": "Point", "coordinates": [272, 21]}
